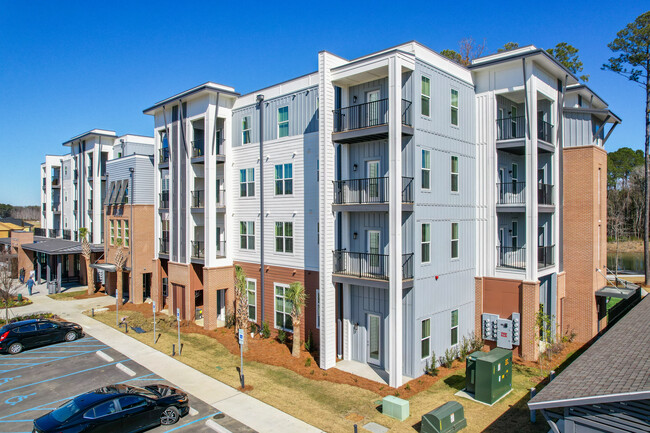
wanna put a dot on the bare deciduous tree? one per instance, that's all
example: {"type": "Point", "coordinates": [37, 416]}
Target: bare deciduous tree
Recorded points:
{"type": "Point", "coordinates": [8, 285]}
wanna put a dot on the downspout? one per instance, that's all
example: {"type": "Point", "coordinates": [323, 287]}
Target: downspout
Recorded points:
{"type": "Point", "coordinates": [560, 192]}
{"type": "Point", "coordinates": [260, 101]}
{"type": "Point", "coordinates": [131, 243]}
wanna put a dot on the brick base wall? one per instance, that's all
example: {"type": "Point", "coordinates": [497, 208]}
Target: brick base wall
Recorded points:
{"type": "Point", "coordinates": [529, 309]}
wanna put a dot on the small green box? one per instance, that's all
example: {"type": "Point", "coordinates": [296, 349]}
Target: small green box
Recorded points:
{"type": "Point", "coordinates": [489, 376]}
{"type": "Point", "coordinates": [395, 407]}
{"type": "Point", "coordinates": [448, 418]}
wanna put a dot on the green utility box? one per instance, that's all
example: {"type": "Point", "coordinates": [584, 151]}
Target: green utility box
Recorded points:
{"type": "Point", "coordinates": [395, 407]}
{"type": "Point", "coordinates": [448, 418]}
{"type": "Point", "coordinates": [489, 375]}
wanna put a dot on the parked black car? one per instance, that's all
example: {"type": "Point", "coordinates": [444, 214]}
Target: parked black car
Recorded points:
{"type": "Point", "coordinates": [116, 408]}
{"type": "Point", "coordinates": [14, 337]}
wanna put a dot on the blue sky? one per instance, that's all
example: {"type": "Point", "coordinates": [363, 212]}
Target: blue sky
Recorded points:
{"type": "Point", "coordinates": [67, 67]}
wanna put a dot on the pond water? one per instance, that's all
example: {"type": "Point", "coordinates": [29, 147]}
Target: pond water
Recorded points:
{"type": "Point", "coordinates": [626, 261]}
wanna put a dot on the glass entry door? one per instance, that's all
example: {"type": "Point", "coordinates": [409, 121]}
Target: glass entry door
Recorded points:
{"type": "Point", "coordinates": [374, 259]}
{"type": "Point", "coordinates": [374, 339]}
{"type": "Point", "coordinates": [372, 99]}
{"type": "Point", "coordinates": [372, 172]}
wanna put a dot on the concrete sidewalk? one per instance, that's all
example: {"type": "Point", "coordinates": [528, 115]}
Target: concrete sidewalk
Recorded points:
{"type": "Point", "coordinates": [244, 408]}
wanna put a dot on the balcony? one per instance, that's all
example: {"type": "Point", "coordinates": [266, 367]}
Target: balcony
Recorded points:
{"type": "Point", "coordinates": [221, 249]}
{"type": "Point", "coordinates": [89, 170]}
{"type": "Point", "coordinates": [44, 183]}
{"type": "Point", "coordinates": [368, 121]}
{"type": "Point", "coordinates": [544, 131]}
{"type": "Point", "coordinates": [511, 257]}
{"type": "Point", "coordinates": [511, 128]}
{"type": "Point", "coordinates": [56, 182]}
{"type": "Point", "coordinates": [44, 207]}
{"type": "Point", "coordinates": [511, 196]}
{"type": "Point", "coordinates": [164, 200]}
{"type": "Point", "coordinates": [544, 194]}
{"type": "Point", "coordinates": [163, 155]}
{"type": "Point", "coordinates": [198, 250]}
{"type": "Point", "coordinates": [67, 234]}
{"type": "Point", "coordinates": [74, 207]}
{"type": "Point", "coordinates": [164, 244]}
{"type": "Point", "coordinates": [198, 150]}
{"type": "Point", "coordinates": [56, 207]}
{"type": "Point", "coordinates": [90, 205]}
{"type": "Point", "coordinates": [40, 232]}
{"type": "Point", "coordinates": [75, 175]}
{"type": "Point", "coordinates": [369, 266]}
{"type": "Point", "coordinates": [198, 199]}
{"type": "Point", "coordinates": [53, 233]}
{"type": "Point", "coordinates": [545, 257]}
{"type": "Point", "coordinates": [369, 191]}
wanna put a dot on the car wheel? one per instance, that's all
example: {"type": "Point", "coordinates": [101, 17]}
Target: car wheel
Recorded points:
{"type": "Point", "coordinates": [170, 416]}
{"type": "Point", "coordinates": [71, 336]}
{"type": "Point", "coordinates": [15, 348]}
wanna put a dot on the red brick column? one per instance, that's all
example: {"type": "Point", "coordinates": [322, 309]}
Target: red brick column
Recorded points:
{"type": "Point", "coordinates": [478, 306]}
{"type": "Point", "coordinates": [529, 309]}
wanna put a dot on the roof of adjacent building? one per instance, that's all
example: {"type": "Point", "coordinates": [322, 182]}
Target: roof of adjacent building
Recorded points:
{"type": "Point", "coordinates": [9, 226]}
{"type": "Point", "coordinates": [16, 221]}
{"type": "Point", "coordinates": [209, 86]}
{"type": "Point", "coordinates": [615, 368]}
{"type": "Point", "coordinates": [58, 246]}
{"type": "Point", "coordinates": [96, 132]}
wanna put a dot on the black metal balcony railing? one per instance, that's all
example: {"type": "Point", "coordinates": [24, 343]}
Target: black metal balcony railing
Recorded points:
{"type": "Point", "coordinates": [544, 131]}
{"type": "Point", "coordinates": [44, 183]}
{"type": "Point", "coordinates": [40, 232]}
{"type": "Point", "coordinates": [544, 193]}
{"type": "Point", "coordinates": [44, 207]}
{"type": "Point", "coordinates": [75, 175]}
{"type": "Point", "coordinates": [74, 207]}
{"type": "Point", "coordinates": [164, 155]}
{"type": "Point", "coordinates": [197, 148]}
{"type": "Point", "coordinates": [198, 198]}
{"type": "Point", "coordinates": [198, 249]}
{"type": "Point", "coordinates": [56, 207]}
{"type": "Point", "coordinates": [369, 190]}
{"type": "Point", "coordinates": [368, 114]}
{"type": "Point", "coordinates": [545, 256]}
{"type": "Point", "coordinates": [221, 248]}
{"type": "Point", "coordinates": [368, 265]}
{"type": "Point", "coordinates": [164, 244]}
{"type": "Point", "coordinates": [511, 193]}
{"type": "Point", "coordinates": [90, 205]}
{"type": "Point", "coordinates": [56, 181]}
{"type": "Point", "coordinates": [67, 234]}
{"type": "Point", "coordinates": [164, 200]}
{"type": "Point", "coordinates": [509, 128]}
{"type": "Point", "coordinates": [511, 257]}
{"type": "Point", "coordinates": [54, 233]}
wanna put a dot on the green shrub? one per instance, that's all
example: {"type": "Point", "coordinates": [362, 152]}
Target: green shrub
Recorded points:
{"type": "Point", "coordinates": [230, 319]}
{"type": "Point", "coordinates": [475, 343]}
{"type": "Point", "coordinates": [465, 348]}
{"type": "Point", "coordinates": [431, 368]}
{"type": "Point", "coordinates": [266, 330]}
{"type": "Point", "coordinates": [282, 336]}
{"type": "Point", "coordinates": [309, 342]}
{"type": "Point", "coordinates": [27, 317]}
{"type": "Point", "coordinates": [448, 358]}
{"type": "Point", "coordinates": [307, 362]}
{"type": "Point", "coordinates": [252, 327]}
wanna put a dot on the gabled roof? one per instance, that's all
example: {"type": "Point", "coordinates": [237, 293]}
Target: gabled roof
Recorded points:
{"type": "Point", "coordinates": [208, 87]}
{"type": "Point", "coordinates": [92, 132]}
{"type": "Point", "coordinates": [614, 369]}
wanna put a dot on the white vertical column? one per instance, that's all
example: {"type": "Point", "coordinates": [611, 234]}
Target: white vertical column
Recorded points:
{"type": "Point", "coordinates": [395, 220]}
{"type": "Point", "coordinates": [97, 190]}
{"type": "Point", "coordinates": [210, 184]}
{"type": "Point", "coordinates": [531, 175]}
{"type": "Point", "coordinates": [347, 326]}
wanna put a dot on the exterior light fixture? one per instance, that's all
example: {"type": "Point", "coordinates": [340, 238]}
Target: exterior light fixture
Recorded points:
{"type": "Point", "coordinates": [354, 167]}
{"type": "Point", "coordinates": [354, 235]}
{"type": "Point", "coordinates": [354, 99]}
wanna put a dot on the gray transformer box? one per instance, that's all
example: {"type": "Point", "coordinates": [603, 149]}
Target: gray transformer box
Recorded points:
{"type": "Point", "coordinates": [504, 334]}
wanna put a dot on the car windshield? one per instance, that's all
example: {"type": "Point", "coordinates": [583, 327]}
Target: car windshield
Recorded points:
{"type": "Point", "coordinates": [66, 411]}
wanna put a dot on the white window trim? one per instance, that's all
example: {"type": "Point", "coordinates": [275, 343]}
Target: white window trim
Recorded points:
{"type": "Point", "coordinates": [248, 183]}
{"type": "Point", "coordinates": [457, 327]}
{"type": "Point", "coordinates": [422, 170]}
{"type": "Point", "coordinates": [425, 338]}
{"type": "Point", "coordinates": [422, 95]}
{"type": "Point", "coordinates": [250, 129]}
{"type": "Point", "coordinates": [284, 238]}
{"type": "Point", "coordinates": [515, 234]}
{"type": "Point", "coordinates": [422, 242]}
{"type": "Point", "coordinates": [454, 173]}
{"type": "Point", "coordinates": [457, 241]}
{"type": "Point", "coordinates": [275, 311]}
{"type": "Point", "coordinates": [457, 107]}
{"type": "Point", "coordinates": [284, 178]}
{"type": "Point", "coordinates": [254, 281]}
{"type": "Point", "coordinates": [286, 121]}
{"type": "Point", "coordinates": [248, 236]}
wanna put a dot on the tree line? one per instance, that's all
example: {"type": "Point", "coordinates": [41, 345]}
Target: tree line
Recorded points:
{"type": "Point", "coordinates": [625, 194]}
{"type": "Point", "coordinates": [30, 213]}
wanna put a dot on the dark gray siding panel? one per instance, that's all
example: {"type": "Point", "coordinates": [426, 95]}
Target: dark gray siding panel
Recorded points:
{"type": "Point", "coordinates": [368, 300]}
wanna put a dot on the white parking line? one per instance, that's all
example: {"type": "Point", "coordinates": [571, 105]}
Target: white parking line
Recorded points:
{"type": "Point", "coordinates": [104, 356]}
{"type": "Point", "coordinates": [216, 427]}
{"type": "Point", "coordinates": [125, 369]}
{"type": "Point", "coordinates": [193, 412]}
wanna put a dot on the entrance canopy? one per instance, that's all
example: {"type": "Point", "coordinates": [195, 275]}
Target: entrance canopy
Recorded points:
{"type": "Point", "coordinates": [616, 292]}
{"type": "Point", "coordinates": [59, 246]}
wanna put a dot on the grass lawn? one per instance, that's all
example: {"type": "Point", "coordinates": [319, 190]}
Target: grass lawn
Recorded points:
{"type": "Point", "coordinates": [336, 407]}
{"type": "Point", "coordinates": [71, 295]}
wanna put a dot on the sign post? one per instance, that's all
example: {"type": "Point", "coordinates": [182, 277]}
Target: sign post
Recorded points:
{"type": "Point", "coordinates": [154, 322]}
{"type": "Point", "coordinates": [241, 356]}
{"type": "Point", "coordinates": [178, 320]}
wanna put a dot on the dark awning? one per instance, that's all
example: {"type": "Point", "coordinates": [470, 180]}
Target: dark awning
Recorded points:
{"type": "Point", "coordinates": [616, 292]}
{"type": "Point", "coordinates": [59, 246]}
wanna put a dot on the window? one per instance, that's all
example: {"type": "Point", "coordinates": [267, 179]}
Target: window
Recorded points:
{"type": "Point", "coordinates": [26, 328]}
{"type": "Point", "coordinates": [247, 235]}
{"type": "Point", "coordinates": [44, 326]}
{"type": "Point", "coordinates": [101, 410]}
{"type": "Point", "coordinates": [283, 122]}
{"type": "Point", "coordinates": [119, 230]}
{"type": "Point", "coordinates": [65, 170]}
{"type": "Point", "coordinates": [251, 291]}
{"type": "Point", "coordinates": [579, 100]}
{"type": "Point", "coordinates": [454, 107]}
{"type": "Point", "coordinates": [284, 179]}
{"type": "Point", "coordinates": [66, 218]}
{"type": "Point", "coordinates": [426, 96]}
{"type": "Point", "coordinates": [515, 230]}
{"type": "Point", "coordinates": [454, 327]}
{"type": "Point", "coordinates": [247, 182]}
{"type": "Point", "coordinates": [425, 344]}
{"type": "Point", "coordinates": [454, 174]}
{"type": "Point", "coordinates": [282, 308]}
{"type": "Point", "coordinates": [246, 130]}
{"type": "Point", "coordinates": [454, 240]}
{"type": "Point", "coordinates": [426, 169]}
{"type": "Point", "coordinates": [112, 230]}
{"type": "Point", "coordinates": [317, 309]}
{"type": "Point", "coordinates": [165, 286]}
{"type": "Point", "coordinates": [131, 402]}
{"type": "Point", "coordinates": [283, 237]}
{"type": "Point", "coordinates": [426, 243]}
{"type": "Point", "coordinates": [125, 233]}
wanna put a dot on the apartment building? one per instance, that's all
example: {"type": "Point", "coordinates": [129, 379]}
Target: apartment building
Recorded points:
{"type": "Point", "coordinates": [129, 216]}
{"type": "Point", "coordinates": [74, 185]}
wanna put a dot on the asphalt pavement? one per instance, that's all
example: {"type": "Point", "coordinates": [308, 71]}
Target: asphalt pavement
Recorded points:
{"type": "Point", "coordinates": [39, 380]}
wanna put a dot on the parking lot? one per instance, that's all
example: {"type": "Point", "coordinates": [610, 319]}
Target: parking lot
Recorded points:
{"type": "Point", "coordinates": [37, 381]}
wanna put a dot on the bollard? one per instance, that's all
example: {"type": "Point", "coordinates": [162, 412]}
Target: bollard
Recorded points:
{"type": "Point", "coordinates": [173, 350]}
{"type": "Point", "coordinates": [93, 312]}
{"type": "Point", "coordinates": [243, 382]}
{"type": "Point", "coordinates": [533, 414]}
{"type": "Point", "coordinates": [355, 428]}
{"type": "Point", "coordinates": [552, 375]}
